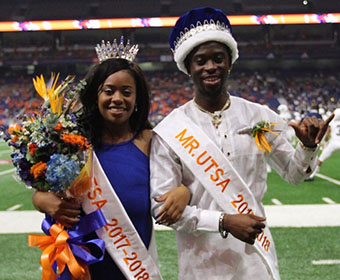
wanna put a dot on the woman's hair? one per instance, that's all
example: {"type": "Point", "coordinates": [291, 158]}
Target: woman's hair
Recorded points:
{"type": "Point", "coordinates": [92, 121]}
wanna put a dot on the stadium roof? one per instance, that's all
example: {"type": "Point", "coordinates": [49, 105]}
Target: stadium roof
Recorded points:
{"type": "Point", "coordinates": [20, 10]}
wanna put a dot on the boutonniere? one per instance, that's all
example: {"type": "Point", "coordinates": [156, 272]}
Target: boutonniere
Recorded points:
{"type": "Point", "coordinates": [258, 132]}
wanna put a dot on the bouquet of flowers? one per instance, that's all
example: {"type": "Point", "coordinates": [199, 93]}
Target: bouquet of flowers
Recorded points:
{"type": "Point", "coordinates": [51, 153]}
{"type": "Point", "coordinates": [49, 147]}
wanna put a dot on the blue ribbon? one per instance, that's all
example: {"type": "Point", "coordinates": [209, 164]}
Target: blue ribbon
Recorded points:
{"type": "Point", "coordinates": [87, 224]}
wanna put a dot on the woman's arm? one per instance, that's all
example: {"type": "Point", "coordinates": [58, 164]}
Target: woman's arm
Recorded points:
{"type": "Point", "coordinates": [63, 209]}
{"type": "Point", "coordinates": [174, 204]}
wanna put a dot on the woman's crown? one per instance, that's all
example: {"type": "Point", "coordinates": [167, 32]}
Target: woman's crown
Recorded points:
{"type": "Point", "coordinates": [108, 50]}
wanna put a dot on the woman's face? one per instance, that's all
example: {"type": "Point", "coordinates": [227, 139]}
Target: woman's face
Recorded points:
{"type": "Point", "coordinates": [117, 98]}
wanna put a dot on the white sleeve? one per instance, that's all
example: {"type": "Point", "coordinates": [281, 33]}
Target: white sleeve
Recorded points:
{"type": "Point", "coordinates": [166, 174]}
{"type": "Point", "coordinates": [294, 165]}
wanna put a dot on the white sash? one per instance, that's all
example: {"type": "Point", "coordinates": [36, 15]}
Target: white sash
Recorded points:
{"type": "Point", "coordinates": [216, 174]}
{"type": "Point", "coordinates": [121, 239]}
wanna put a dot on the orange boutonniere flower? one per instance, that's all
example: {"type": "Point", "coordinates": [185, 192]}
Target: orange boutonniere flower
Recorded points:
{"type": "Point", "coordinates": [258, 132]}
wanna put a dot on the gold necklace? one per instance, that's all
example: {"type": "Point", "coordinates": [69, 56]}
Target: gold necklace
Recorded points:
{"type": "Point", "coordinates": [217, 115]}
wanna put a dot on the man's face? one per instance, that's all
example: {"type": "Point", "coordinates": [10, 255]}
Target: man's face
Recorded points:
{"type": "Point", "coordinates": [209, 67]}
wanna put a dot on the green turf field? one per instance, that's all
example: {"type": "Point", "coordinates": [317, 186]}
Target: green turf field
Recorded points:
{"type": "Point", "coordinates": [296, 247]}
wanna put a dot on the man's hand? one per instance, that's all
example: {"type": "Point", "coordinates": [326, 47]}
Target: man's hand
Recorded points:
{"type": "Point", "coordinates": [311, 130]}
{"type": "Point", "coordinates": [244, 227]}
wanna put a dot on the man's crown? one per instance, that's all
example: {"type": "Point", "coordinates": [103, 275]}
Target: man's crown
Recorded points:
{"type": "Point", "coordinates": [108, 50]}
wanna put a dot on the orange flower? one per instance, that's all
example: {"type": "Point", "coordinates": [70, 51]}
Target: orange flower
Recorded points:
{"type": "Point", "coordinates": [76, 140]}
{"type": "Point", "coordinates": [58, 127]}
{"type": "Point", "coordinates": [38, 169]}
{"type": "Point", "coordinates": [13, 129]}
{"type": "Point", "coordinates": [260, 139]}
{"type": "Point", "coordinates": [32, 147]}
{"type": "Point", "coordinates": [15, 138]}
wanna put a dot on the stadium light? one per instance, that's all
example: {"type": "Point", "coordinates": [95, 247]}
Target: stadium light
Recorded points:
{"type": "Point", "coordinates": [73, 24]}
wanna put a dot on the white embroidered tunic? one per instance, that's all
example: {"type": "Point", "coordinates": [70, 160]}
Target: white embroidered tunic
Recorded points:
{"type": "Point", "coordinates": [202, 253]}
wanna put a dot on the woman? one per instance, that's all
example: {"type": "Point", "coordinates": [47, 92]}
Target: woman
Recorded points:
{"type": "Point", "coordinates": [116, 106]}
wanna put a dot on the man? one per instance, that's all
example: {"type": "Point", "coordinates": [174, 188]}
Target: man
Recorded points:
{"type": "Point", "coordinates": [286, 116]}
{"type": "Point", "coordinates": [207, 145]}
{"type": "Point", "coordinates": [333, 143]}
{"type": "Point", "coordinates": [314, 111]}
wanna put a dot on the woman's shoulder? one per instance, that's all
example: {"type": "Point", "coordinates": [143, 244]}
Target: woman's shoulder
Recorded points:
{"type": "Point", "coordinates": [143, 141]}
{"type": "Point", "coordinates": [147, 134]}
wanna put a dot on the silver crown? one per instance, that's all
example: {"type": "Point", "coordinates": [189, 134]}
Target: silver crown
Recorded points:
{"type": "Point", "coordinates": [108, 50]}
{"type": "Point", "coordinates": [207, 25]}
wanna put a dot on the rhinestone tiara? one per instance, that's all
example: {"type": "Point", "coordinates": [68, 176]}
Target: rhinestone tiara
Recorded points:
{"type": "Point", "coordinates": [107, 50]}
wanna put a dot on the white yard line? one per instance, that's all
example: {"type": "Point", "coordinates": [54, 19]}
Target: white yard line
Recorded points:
{"type": "Point", "coordinates": [20, 221]}
{"type": "Point", "coordinates": [277, 216]}
{"type": "Point", "coordinates": [7, 171]}
{"type": "Point", "coordinates": [328, 178]}
{"type": "Point", "coordinates": [276, 201]}
{"type": "Point", "coordinates": [310, 215]}
{"type": "Point", "coordinates": [4, 152]}
{"type": "Point", "coordinates": [14, 207]}
{"type": "Point", "coordinates": [328, 200]}
{"type": "Point", "coordinates": [325, 262]}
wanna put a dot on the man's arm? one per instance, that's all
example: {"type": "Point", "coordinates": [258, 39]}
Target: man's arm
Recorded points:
{"type": "Point", "coordinates": [295, 165]}
{"type": "Point", "coordinates": [167, 173]}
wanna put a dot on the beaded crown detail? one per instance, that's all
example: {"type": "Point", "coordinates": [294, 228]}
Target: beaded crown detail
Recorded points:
{"type": "Point", "coordinates": [207, 25]}
{"type": "Point", "coordinates": [107, 50]}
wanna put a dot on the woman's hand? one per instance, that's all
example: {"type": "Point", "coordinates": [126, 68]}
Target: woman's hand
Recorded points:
{"type": "Point", "coordinates": [64, 209]}
{"type": "Point", "coordinates": [174, 204]}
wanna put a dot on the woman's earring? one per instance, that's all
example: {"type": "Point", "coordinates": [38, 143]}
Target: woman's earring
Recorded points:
{"type": "Point", "coordinates": [136, 108]}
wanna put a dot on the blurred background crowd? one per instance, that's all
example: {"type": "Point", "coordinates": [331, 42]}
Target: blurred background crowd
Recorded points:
{"type": "Point", "coordinates": [300, 91]}
{"type": "Point", "coordinates": [296, 65]}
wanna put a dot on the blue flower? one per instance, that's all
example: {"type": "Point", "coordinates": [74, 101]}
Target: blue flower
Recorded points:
{"type": "Point", "coordinates": [61, 172]}
{"type": "Point", "coordinates": [23, 149]}
{"type": "Point", "coordinates": [23, 168]}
